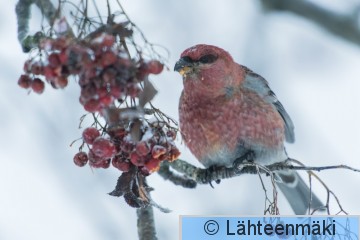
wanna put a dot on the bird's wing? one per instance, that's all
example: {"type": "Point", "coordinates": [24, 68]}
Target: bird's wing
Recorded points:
{"type": "Point", "coordinates": [258, 84]}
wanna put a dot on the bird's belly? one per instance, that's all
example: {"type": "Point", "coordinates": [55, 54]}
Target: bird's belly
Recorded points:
{"type": "Point", "coordinates": [217, 134]}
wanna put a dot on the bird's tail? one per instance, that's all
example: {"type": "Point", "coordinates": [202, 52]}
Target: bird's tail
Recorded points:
{"type": "Point", "coordinates": [297, 192]}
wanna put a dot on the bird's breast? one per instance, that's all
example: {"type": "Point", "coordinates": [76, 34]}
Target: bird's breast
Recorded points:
{"type": "Point", "coordinates": [215, 129]}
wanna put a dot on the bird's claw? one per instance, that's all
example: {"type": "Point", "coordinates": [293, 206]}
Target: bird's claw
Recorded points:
{"type": "Point", "coordinates": [241, 162]}
{"type": "Point", "coordinates": [208, 175]}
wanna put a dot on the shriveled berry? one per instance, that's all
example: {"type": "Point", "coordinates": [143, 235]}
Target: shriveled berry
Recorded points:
{"type": "Point", "coordinates": [173, 154]}
{"type": "Point", "coordinates": [90, 134]}
{"type": "Point", "coordinates": [152, 165]}
{"type": "Point", "coordinates": [24, 81]}
{"type": "Point", "coordinates": [38, 85]}
{"type": "Point", "coordinates": [121, 164]}
{"type": "Point", "coordinates": [80, 159]}
{"type": "Point", "coordinates": [157, 151]}
{"type": "Point", "coordinates": [103, 148]}
{"type": "Point", "coordinates": [142, 148]}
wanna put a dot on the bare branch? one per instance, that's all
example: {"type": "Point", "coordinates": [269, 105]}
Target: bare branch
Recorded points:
{"type": "Point", "coordinates": [204, 176]}
{"type": "Point", "coordinates": [176, 179]}
{"type": "Point", "coordinates": [345, 26]}
{"type": "Point", "coordinates": [146, 223]}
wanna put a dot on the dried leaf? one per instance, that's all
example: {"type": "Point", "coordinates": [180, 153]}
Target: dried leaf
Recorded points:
{"type": "Point", "coordinates": [147, 94]}
{"type": "Point", "coordinates": [135, 190]}
{"type": "Point", "coordinates": [124, 184]}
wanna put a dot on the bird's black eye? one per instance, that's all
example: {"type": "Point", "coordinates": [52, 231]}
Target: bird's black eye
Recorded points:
{"type": "Point", "coordinates": [208, 58]}
{"type": "Point", "coordinates": [187, 59]}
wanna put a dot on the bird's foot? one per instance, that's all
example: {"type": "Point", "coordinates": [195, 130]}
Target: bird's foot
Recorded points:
{"type": "Point", "coordinates": [208, 175]}
{"type": "Point", "coordinates": [241, 162]}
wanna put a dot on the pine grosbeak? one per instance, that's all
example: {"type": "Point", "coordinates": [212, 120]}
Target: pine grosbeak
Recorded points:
{"type": "Point", "coordinates": [227, 111]}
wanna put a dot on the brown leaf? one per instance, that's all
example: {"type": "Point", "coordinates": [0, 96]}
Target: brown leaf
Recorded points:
{"type": "Point", "coordinates": [147, 94]}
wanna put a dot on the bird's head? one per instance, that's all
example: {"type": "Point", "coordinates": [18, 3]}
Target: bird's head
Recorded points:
{"type": "Point", "coordinates": [207, 71]}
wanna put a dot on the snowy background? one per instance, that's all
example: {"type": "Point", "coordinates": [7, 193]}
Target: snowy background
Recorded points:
{"type": "Point", "coordinates": [314, 74]}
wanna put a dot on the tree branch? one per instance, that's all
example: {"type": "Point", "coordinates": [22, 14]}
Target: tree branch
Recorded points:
{"type": "Point", "coordinates": [204, 176]}
{"type": "Point", "coordinates": [23, 14]}
{"type": "Point", "coordinates": [345, 26]}
{"type": "Point", "coordinates": [176, 179]}
{"type": "Point", "coordinates": [146, 223]}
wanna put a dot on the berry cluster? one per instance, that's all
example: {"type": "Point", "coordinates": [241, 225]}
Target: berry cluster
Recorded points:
{"type": "Point", "coordinates": [105, 74]}
{"type": "Point", "coordinates": [156, 145]}
{"type": "Point", "coordinates": [104, 71]}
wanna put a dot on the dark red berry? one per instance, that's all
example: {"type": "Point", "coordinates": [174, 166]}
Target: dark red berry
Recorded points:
{"type": "Point", "coordinates": [80, 159]}
{"type": "Point", "coordinates": [116, 92]}
{"type": "Point", "coordinates": [106, 100]}
{"type": "Point", "coordinates": [90, 134]}
{"type": "Point", "coordinates": [93, 105]}
{"type": "Point", "coordinates": [121, 164]}
{"type": "Point", "coordinates": [54, 60]}
{"type": "Point", "coordinates": [142, 148]}
{"type": "Point", "coordinates": [136, 159]}
{"type": "Point", "coordinates": [49, 73]}
{"type": "Point", "coordinates": [60, 82]}
{"type": "Point", "coordinates": [154, 67]}
{"type": "Point", "coordinates": [24, 81]}
{"type": "Point", "coordinates": [103, 148]}
{"type": "Point", "coordinates": [38, 85]}
{"type": "Point", "coordinates": [37, 68]}
{"type": "Point", "coordinates": [108, 58]}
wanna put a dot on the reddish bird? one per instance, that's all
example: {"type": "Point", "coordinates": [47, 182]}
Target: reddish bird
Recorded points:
{"type": "Point", "coordinates": [228, 112]}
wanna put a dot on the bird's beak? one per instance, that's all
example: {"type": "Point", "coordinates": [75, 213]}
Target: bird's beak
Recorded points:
{"type": "Point", "coordinates": [183, 66]}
